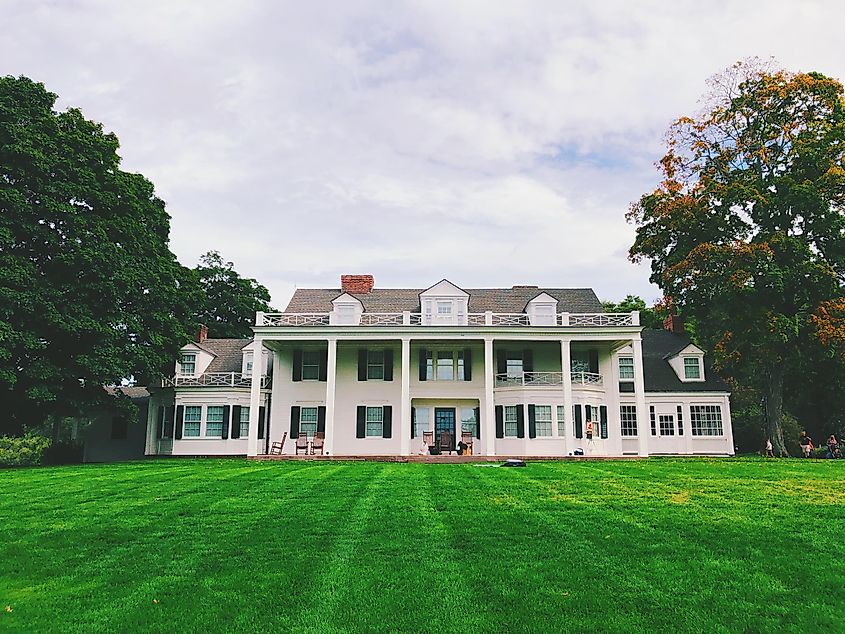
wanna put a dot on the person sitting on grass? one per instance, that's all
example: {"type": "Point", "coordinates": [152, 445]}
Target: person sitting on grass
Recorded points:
{"type": "Point", "coordinates": [833, 450]}
{"type": "Point", "coordinates": [806, 444]}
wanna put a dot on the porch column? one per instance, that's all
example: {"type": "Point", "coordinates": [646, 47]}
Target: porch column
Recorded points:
{"type": "Point", "coordinates": [566, 374]}
{"type": "Point", "coordinates": [489, 409]}
{"type": "Point", "coordinates": [151, 446]}
{"type": "Point", "coordinates": [405, 409]}
{"type": "Point", "coordinates": [643, 422]}
{"type": "Point", "coordinates": [255, 397]}
{"type": "Point", "coordinates": [331, 381]}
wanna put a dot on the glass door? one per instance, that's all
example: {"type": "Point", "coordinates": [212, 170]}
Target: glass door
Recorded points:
{"type": "Point", "coordinates": [444, 421]}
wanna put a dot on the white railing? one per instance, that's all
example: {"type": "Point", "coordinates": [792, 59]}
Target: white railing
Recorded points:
{"type": "Point", "coordinates": [510, 319]}
{"type": "Point", "coordinates": [294, 319]}
{"type": "Point", "coordinates": [383, 319]}
{"type": "Point", "coordinates": [599, 320]}
{"type": "Point", "coordinates": [214, 379]}
{"type": "Point", "coordinates": [586, 378]}
{"type": "Point", "coordinates": [476, 319]}
{"type": "Point", "coordinates": [530, 379]}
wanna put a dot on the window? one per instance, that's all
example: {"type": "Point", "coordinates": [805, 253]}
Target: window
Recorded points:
{"type": "Point", "coordinates": [422, 418]}
{"type": "Point", "coordinates": [214, 421]}
{"type": "Point", "coordinates": [706, 420]}
{"type": "Point", "coordinates": [375, 364]}
{"type": "Point", "coordinates": [310, 365]}
{"type": "Point", "coordinates": [667, 425]}
{"type": "Point", "coordinates": [543, 420]}
{"type": "Point", "coordinates": [561, 421]}
{"type": "Point", "coordinates": [191, 421]}
{"type": "Point", "coordinates": [244, 422]}
{"type": "Point", "coordinates": [188, 365]}
{"type": "Point", "coordinates": [445, 366]}
{"type": "Point", "coordinates": [444, 309]}
{"type": "Point", "coordinates": [119, 428]}
{"type": "Point", "coordinates": [450, 365]}
{"type": "Point", "coordinates": [692, 368]}
{"type": "Point", "coordinates": [248, 363]}
{"type": "Point", "coordinates": [579, 362]}
{"type": "Point", "coordinates": [510, 420]}
{"type": "Point", "coordinates": [459, 366]}
{"type": "Point", "coordinates": [375, 421]}
{"type": "Point", "coordinates": [308, 421]}
{"type": "Point", "coordinates": [346, 315]}
{"type": "Point", "coordinates": [514, 367]}
{"type": "Point", "coordinates": [468, 421]}
{"type": "Point", "coordinates": [626, 368]}
{"type": "Point", "coordinates": [628, 419]}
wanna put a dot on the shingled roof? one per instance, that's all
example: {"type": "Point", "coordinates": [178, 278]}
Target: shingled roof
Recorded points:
{"type": "Point", "coordinates": [396, 300]}
{"type": "Point", "coordinates": [229, 354]}
{"type": "Point", "coordinates": [659, 376]}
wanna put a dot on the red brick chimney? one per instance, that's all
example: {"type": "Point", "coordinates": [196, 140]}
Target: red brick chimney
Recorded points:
{"type": "Point", "coordinates": [674, 323]}
{"type": "Point", "coordinates": [356, 284]}
{"type": "Point", "coordinates": [202, 334]}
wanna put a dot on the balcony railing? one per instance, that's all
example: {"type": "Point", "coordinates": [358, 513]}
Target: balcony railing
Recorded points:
{"type": "Point", "coordinates": [587, 379]}
{"type": "Point", "coordinates": [406, 318]}
{"type": "Point", "coordinates": [214, 379]}
{"type": "Point", "coordinates": [530, 379]}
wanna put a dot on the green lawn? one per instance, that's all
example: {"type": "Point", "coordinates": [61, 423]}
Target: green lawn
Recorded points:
{"type": "Point", "coordinates": [232, 545]}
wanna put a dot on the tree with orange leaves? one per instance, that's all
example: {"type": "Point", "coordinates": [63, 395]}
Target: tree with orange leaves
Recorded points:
{"type": "Point", "coordinates": [746, 230]}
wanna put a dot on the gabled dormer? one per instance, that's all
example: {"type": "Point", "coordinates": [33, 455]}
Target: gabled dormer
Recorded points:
{"type": "Point", "coordinates": [346, 311]}
{"type": "Point", "coordinates": [688, 364]}
{"type": "Point", "coordinates": [193, 360]}
{"type": "Point", "coordinates": [542, 310]}
{"type": "Point", "coordinates": [248, 364]}
{"type": "Point", "coordinates": [444, 304]}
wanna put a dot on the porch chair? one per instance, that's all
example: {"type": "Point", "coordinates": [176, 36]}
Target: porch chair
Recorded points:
{"type": "Point", "coordinates": [278, 447]}
{"type": "Point", "coordinates": [302, 443]}
{"type": "Point", "coordinates": [466, 438]}
{"type": "Point", "coordinates": [428, 438]}
{"type": "Point", "coordinates": [446, 442]}
{"type": "Point", "coordinates": [318, 442]}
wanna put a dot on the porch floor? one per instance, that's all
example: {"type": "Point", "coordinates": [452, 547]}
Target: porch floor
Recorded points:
{"type": "Point", "coordinates": [435, 459]}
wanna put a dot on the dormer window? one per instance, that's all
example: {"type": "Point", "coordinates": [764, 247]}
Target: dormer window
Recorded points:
{"type": "Point", "coordinates": [692, 368]}
{"type": "Point", "coordinates": [444, 309]}
{"type": "Point", "coordinates": [188, 364]}
{"type": "Point", "coordinates": [248, 357]}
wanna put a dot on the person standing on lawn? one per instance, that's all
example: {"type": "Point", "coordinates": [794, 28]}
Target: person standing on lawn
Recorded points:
{"type": "Point", "coordinates": [806, 444]}
{"type": "Point", "coordinates": [769, 452]}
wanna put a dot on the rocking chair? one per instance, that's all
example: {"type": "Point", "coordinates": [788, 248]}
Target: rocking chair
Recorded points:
{"type": "Point", "coordinates": [446, 442]}
{"type": "Point", "coordinates": [318, 442]}
{"type": "Point", "coordinates": [302, 443]}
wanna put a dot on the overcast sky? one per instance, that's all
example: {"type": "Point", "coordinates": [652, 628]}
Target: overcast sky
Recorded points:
{"type": "Point", "coordinates": [490, 142]}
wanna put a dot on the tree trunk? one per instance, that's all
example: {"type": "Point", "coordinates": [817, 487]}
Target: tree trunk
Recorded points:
{"type": "Point", "coordinates": [773, 391]}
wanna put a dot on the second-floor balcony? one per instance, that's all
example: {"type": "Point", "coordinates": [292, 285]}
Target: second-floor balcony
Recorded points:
{"type": "Point", "coordinates": [548, 379]}
{"type": "Point", "coordinates": [406, 318]}
{"type": "Point", "coordinates": [214, 379]}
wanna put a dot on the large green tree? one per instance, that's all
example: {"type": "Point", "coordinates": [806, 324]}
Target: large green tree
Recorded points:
{"type": "Point", "coordinates": [745, 232]}
{"type": "Point", "coordinates": [229, 302]}
{"type": "Point", "coordinates": [90, 292]}
{"type": "Point", "coordinates": [650, 316]}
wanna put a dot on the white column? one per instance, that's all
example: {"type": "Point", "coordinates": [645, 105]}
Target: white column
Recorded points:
{"type": "Point", "coordinates": [405, 409]}
{"type": "Point", "coordinates": [331, 381]}
{"type": "Point", "coordinates": [151, 447]}
{"type": "Point", "coordinates": [566, 370]}
{"type": "Point", "coordinates": [489, 409]}
{"type": "Point", "coordinates": [255, 398]}
{"type": "Point", "coordinates": [685, 408]}
{"type": "Point", "coordinates": [728, 424]}
{"type": "Point", "coordinates": [643, 421]}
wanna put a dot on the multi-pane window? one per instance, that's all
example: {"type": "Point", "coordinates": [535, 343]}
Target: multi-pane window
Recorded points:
{"type": "Point", "coordinates": [248, 363]}
{"type": "Point", "coordinates": [308, 421]}
{"type": "Point", "coordinates": [445, 366]}
{"type": "Point", "coordinates": [214, 421]}
{"type": "Point", "coordinates": [444, 309]}
{"type": "Point", "coordinates": [514, 367]}
{"type": "Point", "coordinates": [561, 421]}
{"type": "Point", "coordinates": [579, 362]}
{"type": "Point", "coordinates": [692, 368]}
{"type": "Point", "coordinates": [375, 364]}
{"type": "Point", "coordinates": [468, 421]}
{"type": "Point", "coordinates": [543, 420]}
{"type": "Point", "coordinates": [375, 421]}
{"type": "Point", "coordinates": [188, 365]}
{"type": "Point", "coordinates": [244, 422]}
{"type": "Point", "coordinates": [510, 420]}
{"type": "Point", "coordinates": [628, 419]}
{"type": "Point", "coordinates": [706, 420]}
{"type": "Point", "coordinates": [626, 368]}
{"type": "Point", "coordinates": [667, 425]}
{"type": "Point", "coordinates": [191, 421]}
{"type": "Point", "coordinates": [310, 365]}
{"type": "Point", "coordinates": [422, 421]}
{"type": "Point", "coordinates": [459, 365]}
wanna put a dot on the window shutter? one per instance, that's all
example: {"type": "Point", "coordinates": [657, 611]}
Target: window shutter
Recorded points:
{"type": "Point", "coordinates": [261, 412]}
{"type": "Point", "coordinates": [501, 362]}
{"type": "Point", "coordinates": [579, 428]}
{"type": "Point", "coordinates": [527, 361]}
{"type": "Point", "coordinates": [653, 422]}
{"type": "Point", "coordinates": [160, 428]}
{"type": "Point", "coordinates": [520, 421]}
{"type": "Point", "coordinates": [226, 410]}
{"type": "Point", "coordinates": [324, 365]}
{"type": "Point", "coordinates": [468, 365]}
{"type": "Point", "coordinates": [180, 416]}
{"type": "Point", "coordinates": [266, 415]}
{"type": "Point", "coordinates": [478, 423]}
{"type": "Point", "coordinates": [362, 364]}
{"type": "Point", "coordinates": [321, 419]}
{"type": "Point", "coordinates": [294, 422]}
{"type": "Point", "coordinates": [387, 421]}
{"type": "Point", "coordinates": [413, 421]}
{"type": "Point", "coordinates": [236, 421]}
{"type": "Point", "coordinates": [594, 361]}
{"type": "Point", "coordinates": [532, 421]}
{"type": "Point", "coordinates": [361, 429]}
{"type": "Point", "coordinates": [169, 421]}
{"type": "Point", "coordinates": [423, 353]}
{"type": "Point", "coordinates": [680, 420]}
{"type": "Point", "coordinates": [500, 421]}
{"type": "Point", "coordinates": [603, 421]}
{"type": "Point", "coordinates": [388, 364]}
{"type": "Point", "coordinates": [297, 365]}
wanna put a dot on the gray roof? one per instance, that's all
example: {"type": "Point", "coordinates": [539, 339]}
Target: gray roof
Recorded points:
{"type": "Point", "coordinates": [229, 355]}
{"type": "Point", "coordinates": [133, 391]}
{"type": "Point", "coordinates": [396, 300]}
{"type": "Point", "coordinates": [658, 346]}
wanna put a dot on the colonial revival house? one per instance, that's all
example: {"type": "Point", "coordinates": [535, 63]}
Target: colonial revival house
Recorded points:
{"type": "Point", "coordinates": [527, 371]}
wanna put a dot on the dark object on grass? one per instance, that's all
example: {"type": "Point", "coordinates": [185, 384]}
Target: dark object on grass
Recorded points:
{"type": "Point", "coordinates": [513, 462]}
{"type": "Point", "coordinates": [579, 452]}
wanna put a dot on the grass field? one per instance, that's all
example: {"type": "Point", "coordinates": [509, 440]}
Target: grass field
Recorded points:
{"type": "Point", "coordinates": [231, 545]}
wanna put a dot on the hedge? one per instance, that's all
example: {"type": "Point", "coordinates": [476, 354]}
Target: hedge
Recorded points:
{"type": "Point", "coordinates": [23, 451]}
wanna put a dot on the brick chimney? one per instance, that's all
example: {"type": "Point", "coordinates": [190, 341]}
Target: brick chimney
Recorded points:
{"type": "Point", "coordinates": [674, 323]}
{"type": "Point", "coordinates": [202, 333]}
{"type": "Point", "coordinates": [356, 284]}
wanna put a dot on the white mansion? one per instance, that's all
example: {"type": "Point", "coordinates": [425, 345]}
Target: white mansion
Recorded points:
{"type": "Point", "coordinates": [527, 371]}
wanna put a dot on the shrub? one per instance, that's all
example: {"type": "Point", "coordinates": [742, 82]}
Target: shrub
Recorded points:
{"type": "Point", "coordinates": [23, 451]}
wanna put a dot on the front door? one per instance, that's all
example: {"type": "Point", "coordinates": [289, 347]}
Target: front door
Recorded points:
{"type": "Point", "coordinates": [444, 421]}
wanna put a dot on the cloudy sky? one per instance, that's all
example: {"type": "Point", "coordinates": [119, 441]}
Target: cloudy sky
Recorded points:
{"type": "Point", "coordinates": [490, 142]}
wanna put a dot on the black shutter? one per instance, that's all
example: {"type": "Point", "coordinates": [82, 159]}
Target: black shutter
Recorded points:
{"type": "Point", "coordinates": [520, 421]}
{"type": "Point", "coordinates": [478, 423]}
{"type": "Point", "coordinates": [324, 364]}
{"type": "Point", "coordinates": [501, 361]}
{"type": "Point", "coordinates": [321, 419]}
{"type": "Point", "coordinates": [579, 429]}
{"type": "Point", "coordinates": [423, 354]}
{"type": "Point", "coordinates": [387, 421]}
{"type": "Point", "coordinates": [294, 422]}
{"type": "Point", "coordinates": [297, 365]}
{"type": "Point", "coordinates": [267, 427]}
{"type": "Point", "coordinates": [653, 421]}
{"type": "Point", "coordinates": [180, 416]}
{"type": "Point", "coordinates": [160, 428]}
{"type": "Point", "coordinates": [527, 361]}
{"type": "Point", "coordinates": [169, 421]}
{"type": "Point", "coordinates": [261, 413]}
{"type": "Point", "coordinates": [413, 421]}
{"type": "Point", "coordinates": [603, 421]}
{"type": "Point", "coordinates": [226, 411]}
{"type": "Point", "coordinates": [362, 364]}
{"type": "Point", "coordinates": [236, 421]}
{"type": "Point", "coordinates": [467, 364]}
{"type": "Point", "coordinates": [532, 421]}
{"type": "Point", "coordinates": [388, 364]}
{"type": "Point", "coordinates": [680, 420]}
{"type": "Point", "coordinates": [361, 429]}
{"type": "Point", "coordinates": [594, 361]}
{"type": "Point", "coordinates": [500, 421]}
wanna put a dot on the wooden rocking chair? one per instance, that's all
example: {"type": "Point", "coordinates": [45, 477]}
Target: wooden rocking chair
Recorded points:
{"type": "Point", "coordinates": [302, 443]}
{"type": "Point", "coordinates": [318, 442]}
{"type": "Point", "coordinates": [466, 438]}
{"type": "Point", "coordinates": [278, 447]}
{"type": "Point", "coordinates": [446, 442]}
